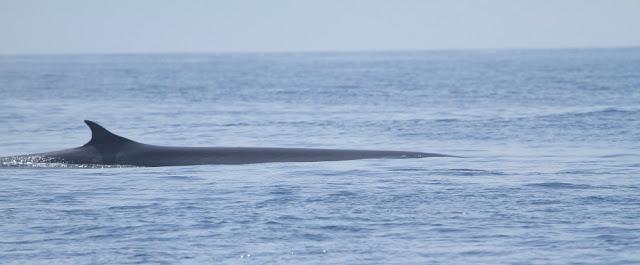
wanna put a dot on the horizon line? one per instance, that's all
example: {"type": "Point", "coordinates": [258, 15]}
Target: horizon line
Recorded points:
{"type": "Point", "coordinates": [318, 51]}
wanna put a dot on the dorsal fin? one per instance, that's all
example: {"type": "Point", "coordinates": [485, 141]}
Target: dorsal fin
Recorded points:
{"type": "Point", "coordinates": [100, 136]}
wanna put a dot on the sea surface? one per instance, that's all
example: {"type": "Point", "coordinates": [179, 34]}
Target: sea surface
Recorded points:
{"type": "Point", "coordinates": [550, 174]}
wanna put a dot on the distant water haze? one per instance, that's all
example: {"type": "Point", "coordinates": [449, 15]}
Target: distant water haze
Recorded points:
{"type": "Point", "coordinates": [74, 26]}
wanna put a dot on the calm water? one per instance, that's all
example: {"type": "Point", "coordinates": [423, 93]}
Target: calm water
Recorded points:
{"type": "Point", "coordinates": [551, 174]}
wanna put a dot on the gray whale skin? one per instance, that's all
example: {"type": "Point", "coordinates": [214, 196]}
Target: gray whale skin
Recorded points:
{"type": "Point", "coordinates": [106, 148]}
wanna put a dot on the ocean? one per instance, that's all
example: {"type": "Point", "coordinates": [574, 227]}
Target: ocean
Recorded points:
{"type": "Point", "coordinates": [549, 174]}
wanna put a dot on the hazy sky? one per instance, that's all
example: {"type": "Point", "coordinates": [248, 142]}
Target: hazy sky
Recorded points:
{"type": "Point", "coordinates": [123, 26]}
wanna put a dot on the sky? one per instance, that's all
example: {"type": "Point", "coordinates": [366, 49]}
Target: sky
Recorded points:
{"type": "Point", "coordinates": [199, 26]}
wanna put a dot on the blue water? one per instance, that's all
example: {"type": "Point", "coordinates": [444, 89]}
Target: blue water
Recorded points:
{"type": "Point", "coordinates": [551, 174]}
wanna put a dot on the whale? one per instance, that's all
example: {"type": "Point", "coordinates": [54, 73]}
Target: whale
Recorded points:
{"type": "Point", "coordinates": [107, 148]}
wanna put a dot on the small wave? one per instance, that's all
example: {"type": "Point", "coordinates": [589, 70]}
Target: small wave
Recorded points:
{"type": "Point", "coordinates": [593, 199]}
{"type": "Point", "coordinates": [133, 207]}
{"type": "Point", "coordinates": [608, 111]}
{"type": "Point", "coordinates": [545, 202]}
{"type": "Point", "coordinates": [452, 171]}
{"type": "Point", "coordinates": [444, 230]}
{"type": "Point", "coordinates": [595, 112]}
{"type": "Point", "coordinates": [473, 172]}
{"type": "Point", "coordinates": [315, 236]}
{"type": "Point", "coordinates": [180, 177]}
{"type": "Point", "coordinates": [447, 120]}
{"type": "Point", "coordinates": [574, 113]}
{"type": "Point", "coordinates": [617, 155]}
{"type": "Point", "coordinates": [408, 170]}
{"type": "Point", "coordinates": [467, 170]}
{"type": "Point", "coordinates": [560, 185]}
{"type": "Point", "coordinates": [343, 194]}
{"type": "Point", "coordinates": [341, 228]}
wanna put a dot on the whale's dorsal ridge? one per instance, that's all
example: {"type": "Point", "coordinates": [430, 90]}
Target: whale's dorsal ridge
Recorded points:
{"type": "Point", "coordinates": [107, 148]}
{"type": "Point", "coordinates": [101, 136]}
